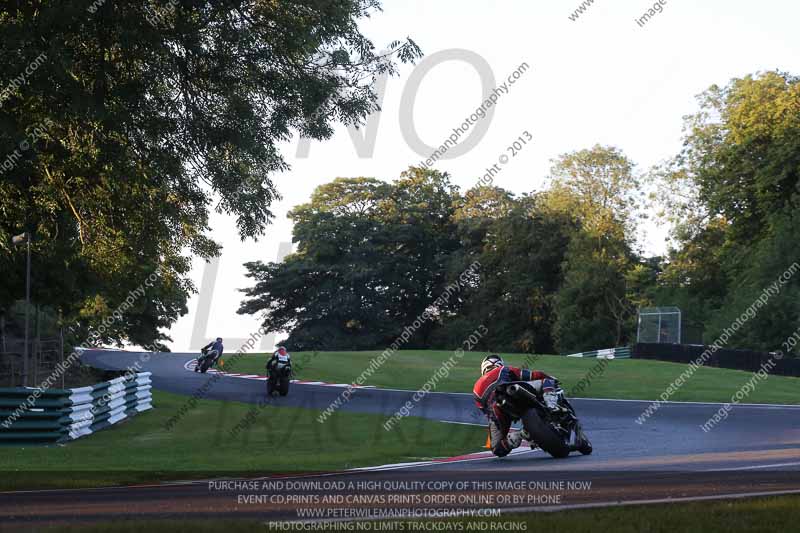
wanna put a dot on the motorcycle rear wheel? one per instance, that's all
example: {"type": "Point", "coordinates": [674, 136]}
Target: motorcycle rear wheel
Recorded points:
{"type": "Point", "coordinates": [545, 436]}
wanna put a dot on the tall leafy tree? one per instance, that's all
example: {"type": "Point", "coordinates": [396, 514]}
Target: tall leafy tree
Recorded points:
{"type": "Point", "coordinates": [520, 249]}
{"type": "Point", "coordinates": [740, 170]}
{"type": "Point", "coordinates": [369, 262]}
{"type": "Point", "coordinates": [144, 116]}
{"type": "Point", "coordinates": [420, 212]}
{"type": "Point", "coordinates": [599, 190]}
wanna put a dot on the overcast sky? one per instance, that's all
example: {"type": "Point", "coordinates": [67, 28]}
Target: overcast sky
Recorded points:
{"type": "Point", "coordinates": [602, 78]}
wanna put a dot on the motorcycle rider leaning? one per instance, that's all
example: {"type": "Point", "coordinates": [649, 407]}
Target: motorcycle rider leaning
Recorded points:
{"type": "Point", "coordinates": [494, 372]}
{"type": "Point", "coordinates": [214, 346]}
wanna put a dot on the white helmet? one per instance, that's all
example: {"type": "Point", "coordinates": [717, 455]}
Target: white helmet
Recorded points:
{"type": "Point", "coordinates": [490, 362]}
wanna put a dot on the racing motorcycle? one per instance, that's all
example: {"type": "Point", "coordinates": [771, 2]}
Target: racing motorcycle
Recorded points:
{"type": "Point", "coordinates": [206, 360]}
{"type": "Point", "coordinates": [278, 378]}
{"type": "Point", "coordinates": [558, 432]}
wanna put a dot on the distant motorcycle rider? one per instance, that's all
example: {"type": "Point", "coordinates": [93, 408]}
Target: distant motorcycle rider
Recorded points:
{"type": "Point", "coordinates": [281, 356]}
{"type": "Point", "coordinates": [213, 348]}
{"type": "Point", "coordinates": [494, 372]}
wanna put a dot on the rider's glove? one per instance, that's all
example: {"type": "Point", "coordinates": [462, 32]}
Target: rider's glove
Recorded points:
{"type": "Point", "coordinates": [549, 394]}
{"type": "Point", "coordinates": [551, 400]}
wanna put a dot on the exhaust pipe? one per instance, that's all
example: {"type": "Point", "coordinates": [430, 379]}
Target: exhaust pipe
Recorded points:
{"type": "Point", "coordinates": [518, 391]}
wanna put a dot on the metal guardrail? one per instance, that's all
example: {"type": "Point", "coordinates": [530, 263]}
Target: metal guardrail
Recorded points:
{"type": "Point", "coordinates": [623, 352]}
{"type": "Point", "coordinates": [61, 415]}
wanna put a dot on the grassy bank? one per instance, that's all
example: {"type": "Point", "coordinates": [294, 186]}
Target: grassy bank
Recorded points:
{"type": "Point", "coordinates": [630, 379]}
{"type": "Point", "coordinates": [202, 444]}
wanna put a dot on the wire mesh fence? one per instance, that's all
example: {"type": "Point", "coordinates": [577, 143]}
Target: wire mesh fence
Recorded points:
{"type": "Point", "coordinates": [659, 325]}
{"type": "Point", "coordinates": [22, 365]}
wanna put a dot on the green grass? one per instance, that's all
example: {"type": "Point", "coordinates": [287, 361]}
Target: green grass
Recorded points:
{"type": "Point", "coordinates": [630, 379]}
{"type": "Point", "coordinates": [735, 516]}
{"type": "Point", "coordinates": [280, 439]}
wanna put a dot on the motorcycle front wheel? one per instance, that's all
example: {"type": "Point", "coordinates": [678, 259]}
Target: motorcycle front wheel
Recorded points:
{"type": "Point", "coordinates": [584, 444]}
{"type": "Point", "coordinates": [544, 435]}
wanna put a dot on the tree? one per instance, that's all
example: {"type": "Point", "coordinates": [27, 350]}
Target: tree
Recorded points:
{"type": "Point", "coordinates": [598, 186]}
{"type": "Point", "coordinates": [420, 214]}
{"type": "Point", "coordinates": [369, 262]}
{"type": "Point", "coordinates": [742, 151]}
{"type": "Point", "coordinates": [138, 121]}
{"type": "Point", "coordinates": [741, 167]}
{"type": "Point", "coordinates": [599, 191]}
{"type": "Point", "coordinates": [520, 249]}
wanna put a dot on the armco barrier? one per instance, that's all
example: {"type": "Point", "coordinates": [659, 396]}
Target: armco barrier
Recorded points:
{"type": "Point", "coordinates": [623, 352]}
{"type": "Point", "coordinates": [748, 360]}
{"type": "Point", "coordinates": [60, 415]}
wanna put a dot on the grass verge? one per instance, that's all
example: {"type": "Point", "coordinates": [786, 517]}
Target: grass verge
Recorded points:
{"type": "Point", "coordinates": [630, 379]}
{"type": "Point", "coordinates": [202, 444]}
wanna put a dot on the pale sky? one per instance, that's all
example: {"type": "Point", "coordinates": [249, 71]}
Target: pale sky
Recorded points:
{"type": "Point", "coordinates": [601, 79]}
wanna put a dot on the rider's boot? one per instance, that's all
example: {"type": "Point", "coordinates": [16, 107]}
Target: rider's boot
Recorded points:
{"type": "Point", "coordinates": [516, 438]}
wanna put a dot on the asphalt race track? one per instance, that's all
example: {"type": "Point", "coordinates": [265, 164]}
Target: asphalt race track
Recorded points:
{"type": "Point", "coordinates": [669, 457]}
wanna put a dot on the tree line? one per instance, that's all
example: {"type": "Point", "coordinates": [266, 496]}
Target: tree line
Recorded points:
{"type": "Point", "coordinates": [127, 129]}
{"type": "Point", "coordinates": [120, 133]}
{"type": "Point", "coordinates": [560, 268]}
